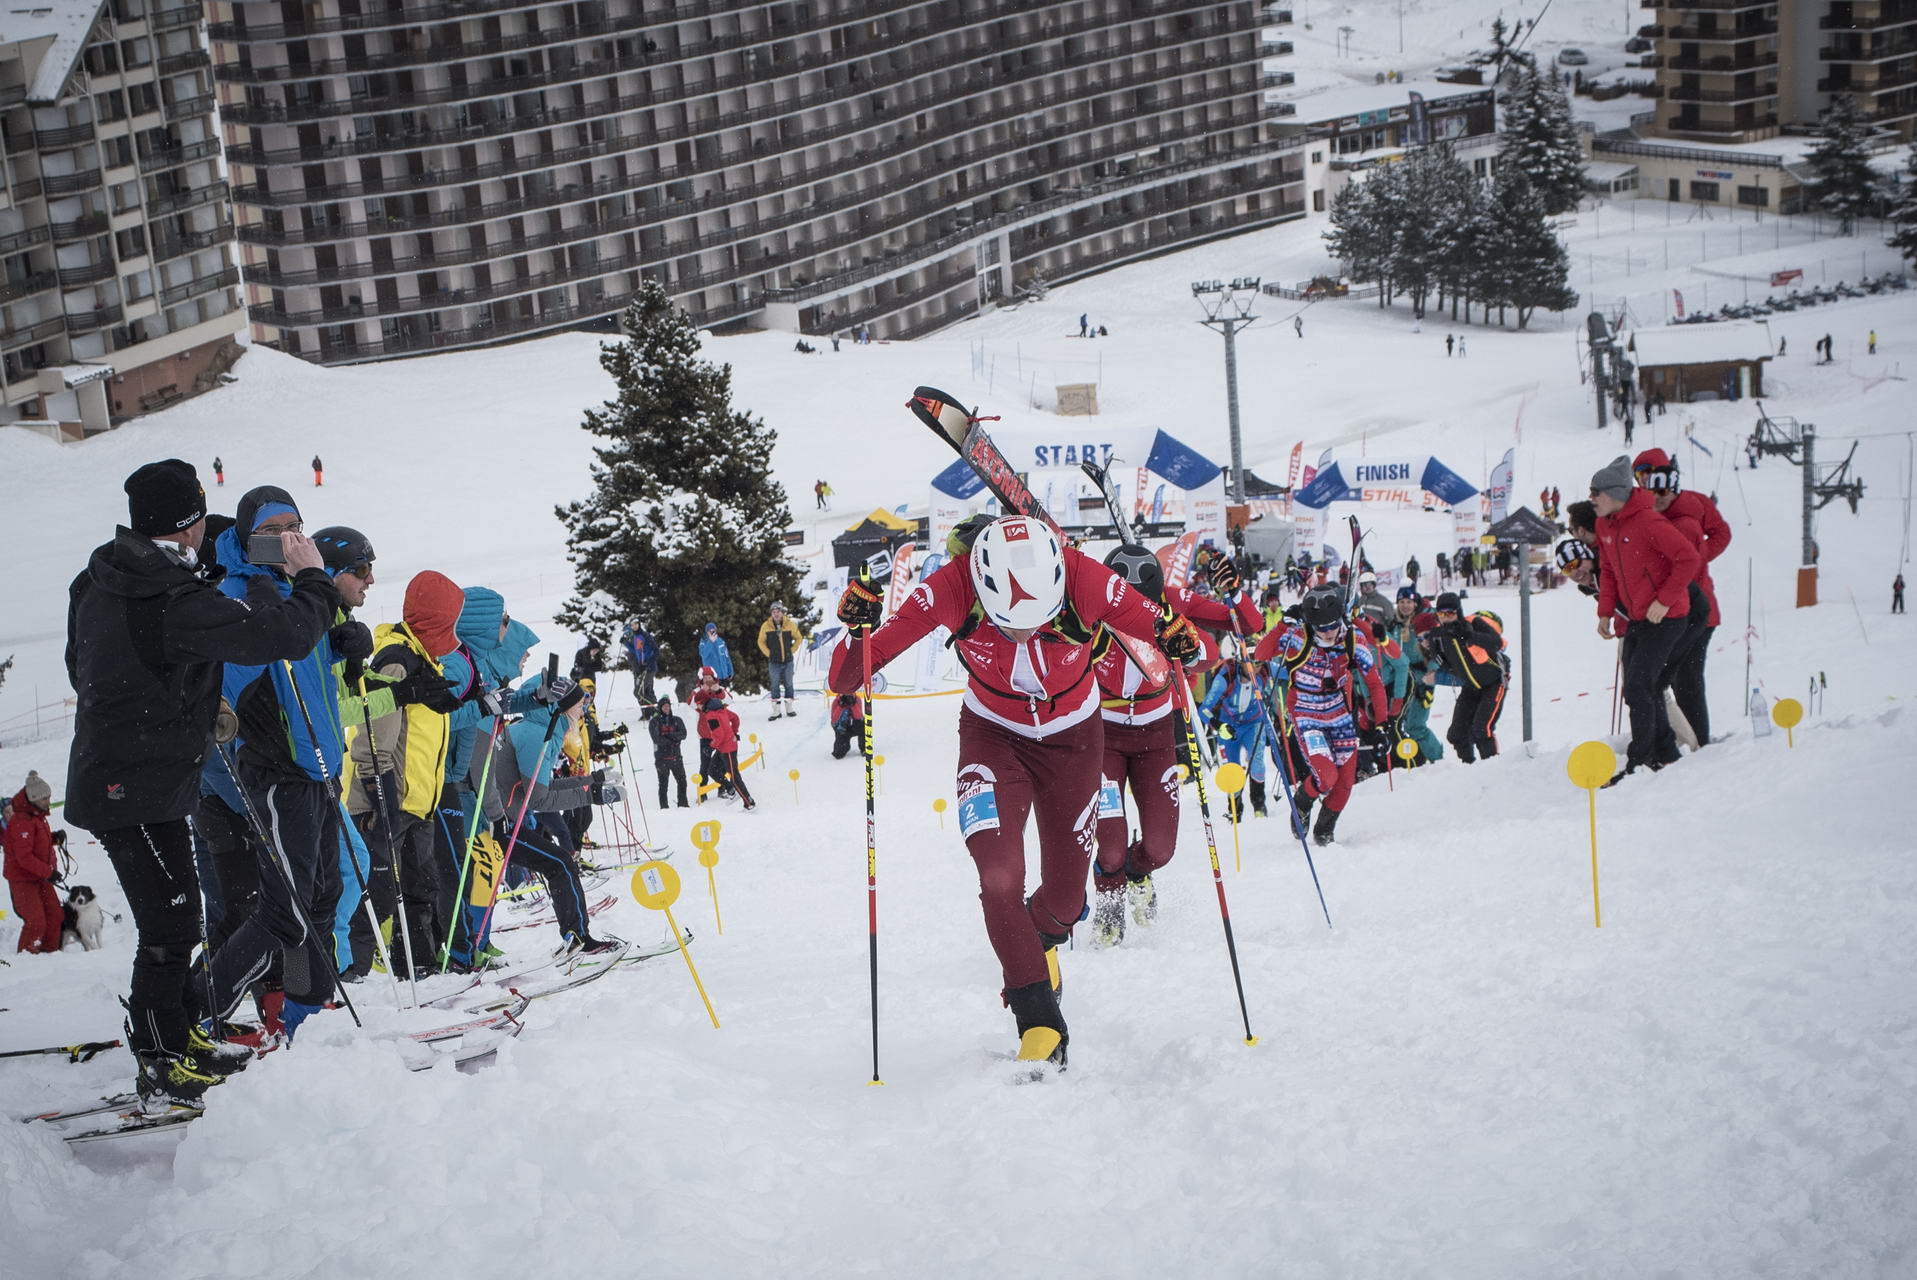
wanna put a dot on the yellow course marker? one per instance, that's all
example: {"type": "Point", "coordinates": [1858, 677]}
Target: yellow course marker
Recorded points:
{"type": "Point", "coordinates": [1407, 750]}
{"type": "Point", "coordinates": [878, 772]}
{"type": "Point", "coordinates": [1591, 766]}
{"type": "Point", "coordinates": [1787, 713]}
{"type": "Point", "coordinates": [938, 807]}
{"type": "Point", "coordinates": [1231, 778]}
{"type": "Point", "coordinates": [794, 775]}
{"type": "Point", "coordinates": [705, 837]}
{"type": "Point", "coordinates": [655, 885]}
{"type": "Point", "coordinates": [758, 755]}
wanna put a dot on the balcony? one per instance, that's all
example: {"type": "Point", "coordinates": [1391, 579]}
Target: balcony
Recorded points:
{"type": "Point", "coordinates": [1723, 66]}
{"type": "Point", "coordinates": [1276, 79]}
{"type": "Point", "coordinates": [164, 248]}
{"type": "Point", "coordinates": [158, 206]}
{"type": "Point", "coordinates": [1723, 35]}
{"type": "Point", "coordinates": [835, 321]}
{"type": "Point", "coordinates": [1876, 84]}
{"type": "Point", "coordinates": [1690, 93]}
{"type": "Point", "coordinates": [1721, 129]}
{"type": "Point", "coordinates": [1274, 49]}
{"type": "Point", "coordinates": [92, 273]}
{"type": "Point", "coordinates": [1873, 51]}
{"type": "Point", "coordinates": [80, 228]}
{"type": "Point", "coordinates": [99, 318]}
{"type": "Point", "coordinates": [1275, 16]}
{"type": "Point", "coordinates": [23, 239]}
{"type": "Point", "coordinates": [1714, 6]}
{"type": "Point", "coordinates": [68, 184]}
{"type": "Point", "coordinates": [184, 16]}
{"type": "Point", "coordinates": [54, 139]}
{"type": "Point", "coordinates": [189, 108]}
{"type": "Point", "coordinates": [174, 157]}
{"type": "Point", "coordinates": [40, 331]}
{"type": "Point", "coordinates": [27, 286]}
{"type": "Point", "coordinates": [1888, 15]}
{"type": "Point", "coordinates": [179, 293]}
{"type": "Point", "coordinates": [191, 60]}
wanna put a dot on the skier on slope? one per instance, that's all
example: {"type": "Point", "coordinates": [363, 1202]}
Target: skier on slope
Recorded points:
{"type": "Point", "coordinates": [1330, 682]}
{"type": "Point", "coordinates": [1143, 740]}
{"type": "Point", "coordinates": [1471, 650]}
{"type": "Point", "coordinates": [1232, 711]}
{"type": "Point", "coordinates": [1025, 615]}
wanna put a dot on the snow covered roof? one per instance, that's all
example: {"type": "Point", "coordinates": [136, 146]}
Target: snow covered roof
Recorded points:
{"type": "Point", "coordinates": [1702, 343]}
{"type": "Point", "coordinates": [68, 22]}
{"type": "Point", "coordinates": [1354, 99]}
{"type": "Point", "coordinates": [1607, 170]}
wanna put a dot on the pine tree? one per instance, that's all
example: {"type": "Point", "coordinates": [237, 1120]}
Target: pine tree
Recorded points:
{"type": "Point", "coordinates": [1845, 185]}
{"type": "Point", "coordinates": [686, 524]}
{"type": "Point", "coordinates": [1541, 139]}
{"type": "Point", "coordinates": [1356, 237]}
{"type": "Point", "coordinates": [1903, 212]}
{"type": "Point", "coordinates": [1533, 270]}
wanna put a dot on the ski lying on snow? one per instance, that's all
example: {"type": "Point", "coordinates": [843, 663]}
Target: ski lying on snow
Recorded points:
{"type": "Point", "coordinates": [592, 910]}
{"type": "Point", "coordinates": [488, 1020]}
{"type": "Point", "coordinates": [134, 1121]}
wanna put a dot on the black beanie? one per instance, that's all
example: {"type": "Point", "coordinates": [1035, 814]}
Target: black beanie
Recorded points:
{"type": "Point", "coordinates": [1448, 602]}
{"type": "Point", "coordinates": [164, 498]}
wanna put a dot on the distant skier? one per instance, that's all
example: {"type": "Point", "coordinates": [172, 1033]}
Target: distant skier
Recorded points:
{"type": "Point", "coordinates": [219, 473]}
{"type": "Point", "coordinates": [1298, 325]}
{"type": "Point", "coordinates": [1897, 595]}
{"type": "Point", "coordinates": [1025, 613]}
{"type": "Point", "coordinates": [1084, 325]}
{"type": "Point", "coordinates": [319, 472]}
{"type": "Point", "coordinates": [1450, 341]}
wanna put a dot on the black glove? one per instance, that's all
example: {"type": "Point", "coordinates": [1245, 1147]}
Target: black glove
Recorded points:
{"type": "Point", "coordinates": [1178, 638]}
{"type": "Point", "coordinates": [861, 607]}
{"type": "Point", "coordinates": [1223, 575]}
{"type": "Point", "coordinates": [606, 793]}
{"type": "Point", "coordinates": [491, 701]}
{"type": "Point", "coordinates": [351, 641]}
{"type": "Point", "coordinates": [427, 688]}
{"type": "Point", "coordinates": [562, 693]}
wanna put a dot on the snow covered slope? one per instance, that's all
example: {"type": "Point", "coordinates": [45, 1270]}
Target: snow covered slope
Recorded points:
{"type": "Point", "coordinates": [1463, 1078]}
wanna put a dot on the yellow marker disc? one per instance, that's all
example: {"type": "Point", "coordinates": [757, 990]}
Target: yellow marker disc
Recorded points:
{"type": "Point", "coordinates": [708, 858]}
{"type": "Point", "coordinates": [793, 774]}
{"type": "Point", "coordinates": [1787, 712]}
{"type": "Point", "coordinates": [1406, 748]}
{"type": "Point", "coordinates": [1231, 777]}
{"type": "Point", "coordinates": [1592, 764]}
{"type": "Point", "coordinates": [938, 805]}
{"type": "Point", "coordinates": [705, 835]}
{"type": "Point", "coordinates": [655, 885]}
{"type": "Point", "coordinates": [878, 762]}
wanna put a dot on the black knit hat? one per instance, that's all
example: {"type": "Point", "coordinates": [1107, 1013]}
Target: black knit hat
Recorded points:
{"type": "Point", "coordinates": [1447, 602]}
{"type": "Point", "coordinates": [164, 498]}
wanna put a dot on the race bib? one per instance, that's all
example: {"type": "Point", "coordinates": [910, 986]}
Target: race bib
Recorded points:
{"type": "Point", "coordinates": [1111, 802]}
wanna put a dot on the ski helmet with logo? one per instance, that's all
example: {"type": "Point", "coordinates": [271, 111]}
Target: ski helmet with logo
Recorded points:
{"type": "Point", "coordinates": [1140, 570]}
{"type": "Point", "coordinates": [1324, 608]}
{"type": "Point", "coordinates": [1018, 570]}
{"type": "Point", "coordinates": [344, 550]}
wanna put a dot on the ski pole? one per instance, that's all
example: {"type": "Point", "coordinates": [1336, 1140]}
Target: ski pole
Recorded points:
{"type": "Point", "coordinates": [632, 771]}
{"type": "Point", "coordinates": [292, 890]}
{"type": "Point", "coordinates": [472, 834]}
{"type": "Point", "coordinates": [386, 824]}
{"type": "Point", "coordinates": [539, 765]}
{"type": "Point", "coordinates": [1181, 693]}
{"type": "Point", "coordinates": [871, 852]}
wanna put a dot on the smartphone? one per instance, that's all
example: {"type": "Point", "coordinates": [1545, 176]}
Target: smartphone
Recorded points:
{"type": "Point", "coordinates": [266, 548]}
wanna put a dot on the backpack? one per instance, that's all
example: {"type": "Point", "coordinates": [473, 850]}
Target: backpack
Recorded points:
{"type": "Point", "coordinates": [1492, 621]}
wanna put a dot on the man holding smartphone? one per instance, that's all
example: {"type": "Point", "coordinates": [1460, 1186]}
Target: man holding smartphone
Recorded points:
{"type": "Point", "coordinates": [147, 631]}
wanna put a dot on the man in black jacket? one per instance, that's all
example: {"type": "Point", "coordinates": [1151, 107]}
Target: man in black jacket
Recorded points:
{"type": "Point", "coordinates": [1471, 650]}
{"type": "Point", "coordinates": [147, 633]}
{"type": "Point", "coordinates": [668, 736]}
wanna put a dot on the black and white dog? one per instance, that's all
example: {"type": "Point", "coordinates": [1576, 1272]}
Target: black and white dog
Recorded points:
{"type": "Point", "coordinates": [82, 918]}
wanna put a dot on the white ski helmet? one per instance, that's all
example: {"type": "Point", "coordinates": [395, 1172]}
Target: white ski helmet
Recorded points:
{"type": "Point", "coordinates": [1018, 570]}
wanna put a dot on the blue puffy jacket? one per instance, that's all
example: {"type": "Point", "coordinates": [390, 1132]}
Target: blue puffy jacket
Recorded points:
{"type": "Point", "coordinates": [498, 661]}
{"type": "Point", "coordinates": [713, 653]}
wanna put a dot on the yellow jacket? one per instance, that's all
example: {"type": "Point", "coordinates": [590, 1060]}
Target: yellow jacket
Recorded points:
{"type": "Point", "coordinates": [412, 740]}
{"type": "Point", "coordinates": [779, 641]}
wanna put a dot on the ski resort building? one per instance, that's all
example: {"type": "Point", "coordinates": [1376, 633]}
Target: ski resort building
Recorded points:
{"type": "Point", "coordinates": [118, 288]}
{"type": "Point", "coordinates": [1688, 362]}
{"type": "Point", "coordinates": [428, 176]}
{"type": "Point", "coordinates": [1354, 127]}
{"type": "Point", "coordinates": [1741, 70]}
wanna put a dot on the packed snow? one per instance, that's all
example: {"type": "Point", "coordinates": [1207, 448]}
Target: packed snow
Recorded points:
{"type": "Point", "coordinates": [1462, 1078]}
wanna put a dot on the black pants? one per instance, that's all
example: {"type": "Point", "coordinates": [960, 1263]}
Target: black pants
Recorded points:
{"type": "Point", "coordinates": [725, 766]}
{"type": "Point", "coordinates": [1474, 721]}
{"type": "Point", "coordinates": [449, 861]}
{"type": "Point", "coordinates": [235, 865]}
{"type": "Point", "coordinates": [416, 886]}
{"type": "Point", "coordinates": [155, 865]}
{"type": "Point", "coordinates": [670, 767]}
{"type": "Point", "coordinates": [1896, 602]}
{"type": "Point", "coordinates": [299, 883]}
{"type": "Point", "coordinates": [844, 739]}
{"type": "Point", "coordinates": [1647, 651]}
{"type": "Point", "coordinates": [540, 851]}
{"type": "Point", "coordinates": [1684, 674]}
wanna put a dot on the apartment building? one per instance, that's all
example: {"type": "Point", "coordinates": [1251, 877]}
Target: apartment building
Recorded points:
{"type": "Point", "coordinates": [118, 288]}
{"type": "Point", "coordinates": [429, 176]}
{"type": "Point", "coordinates": [1739, 70]}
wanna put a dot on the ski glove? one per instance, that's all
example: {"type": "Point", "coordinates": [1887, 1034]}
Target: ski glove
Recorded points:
{"type": "Point", "coordinates": [351, 641]}
{"type": "Point", "coordinates": [861, 606]}
{"type": "Point", "coordinates": [489, 700]}
{"type": "Point", "coordinates": [606, 793]}
{"type": "Point", "coordinates": [1224, 576]}
{"type": "Point", "coordinates": [603, 776]}
{"type": "Point", "coordinates": [425, 688]}
{"type": "Point", "coordinates": [555, 693]}
{"type": "Point", "coordinates": [1178, 638]}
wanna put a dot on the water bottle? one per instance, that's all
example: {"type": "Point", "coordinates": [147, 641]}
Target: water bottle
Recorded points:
{"type": "Point", "coordinates": [1760, 715]}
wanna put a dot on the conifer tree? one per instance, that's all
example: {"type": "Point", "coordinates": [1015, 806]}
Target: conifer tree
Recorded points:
{"type": "Point", "coordinates": [685, 524]}
{"type": "Point", "coordinates": [1845, 185]}
{"type": "Point", "coordinates": [1903, 211]}
{"type": "Point", "coordinates": [1541, 139]}
{"type": "Point", "coordinates": [1532, 268]}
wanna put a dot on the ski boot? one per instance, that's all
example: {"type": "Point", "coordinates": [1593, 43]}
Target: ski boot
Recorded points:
{"type": "Point", "coordinates": [1258, 797]}
{"type": "Point", "coordinates": [1041, 1027]}
{"type": "Point", "coordinates": [1144, 897]}
{"type": "Point", "coordinates": [1303, 801]}
{"type": "Point", "coordinates": [1326, 831]}
{"type": "Point", "coordinates": [590, 946]}
{"type": "Point", "coordinates": [168, 1075]}
{"type": "Point", "coordinates": [214, 1053]}
{"type": "Point", "coordinates": [1108, 921]}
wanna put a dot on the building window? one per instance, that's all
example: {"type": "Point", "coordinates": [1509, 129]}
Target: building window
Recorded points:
{"type": "Point", "coordinates": [142, 99]}
{"type": "Point", "coordinates": [126, 197]}
{"type": "Point", "coordinates": [130, 243]}
{"type": "Point", "coordinates": [109, 106]}
{"type": "Point", "coordinates": [1759, 196]}
{"type": "Point", "coordinates": [117, 150]}
{"type": "Point", "coordinates": [1318, 200]}
{"type": "Point", "coordinates": [1704, 191]}
{"type": "Point", "coordinates": [1317, 157]}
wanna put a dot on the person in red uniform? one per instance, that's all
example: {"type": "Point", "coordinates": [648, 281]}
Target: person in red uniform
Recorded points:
{"type": "Point", "coordinates": [1647, 571]}
{"type": "Point", "coordinates": [1698, 519]}
{"type": "Point", "coordinates": [30, 866]}
{"type": "Point", "coordinates": [1027, 617]}
{"type": "Point", "coordinates": [1143, 741]}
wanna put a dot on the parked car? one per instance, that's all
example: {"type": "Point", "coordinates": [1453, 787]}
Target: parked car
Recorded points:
{"type": "Point", "coordinates": [1637, 44]}
{"type": "Point", "coordinates": [1573, 57]}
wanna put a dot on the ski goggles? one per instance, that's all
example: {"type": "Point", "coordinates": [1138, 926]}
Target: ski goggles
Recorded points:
{"type": "Point", "coordinates": [1571, 553]}
{"type": "Point", "coordinates": [1658, 479]}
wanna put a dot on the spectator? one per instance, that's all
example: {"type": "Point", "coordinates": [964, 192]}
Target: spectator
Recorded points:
{"type": "Point", "coordinates": [779, 641]}
{"type": "Point", "coordinates": [590, 662]}
{"type": "Point", "coordinates": [642, 655]}
{"type": "Point", "coordinates": [1369, 599]}
{"type": "Point", "coordinates": [848, 725]}
{"type": "Point", "coordinates": [720, 724]}
{"type": "Point", "coordinates": [1411, 571]}
{"type": "Point", "coordinates": [1873, 342]}
{"type": "Point", "coordinates": [668, 739]}
{"type": "Point", "coordinates": [319, 472]}
{"type": "Point", "coordinates": [31, 867]}
{"type": "Point", "coordinates": [219, 473]}
{"type": "Point", "coordinates": [1897, 595]}
{"type": "Point", "coordinates": [1084, 325]}
{"type": "Point", "coordinates": [1471, 651]}
{"type": "Point", "coordinates": [1648, 566]}
{"type": "Point", "coordinates": [1450, 341]}
{"type": "Point", "coordinates": [707, 694]}
{"type": "Point", "coordinates": [713, 653]}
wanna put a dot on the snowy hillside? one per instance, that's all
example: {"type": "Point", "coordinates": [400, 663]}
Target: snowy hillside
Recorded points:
{"type": "Point", "coordinates": [1463, 1078]}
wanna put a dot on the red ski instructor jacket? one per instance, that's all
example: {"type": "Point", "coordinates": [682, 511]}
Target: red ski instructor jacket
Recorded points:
{"type": "Point", "coordinates": [1646, 559]}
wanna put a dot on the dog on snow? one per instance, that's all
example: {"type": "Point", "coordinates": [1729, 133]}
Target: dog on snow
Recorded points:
{"type": "Point", "coordinates": [82, 918]}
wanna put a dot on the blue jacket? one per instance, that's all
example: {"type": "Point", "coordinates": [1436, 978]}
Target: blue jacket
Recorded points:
{"type": "Point", "coordinates": [536, 755]}
{"type": "Point", "coordinates": [641, 651]}
{"type": "Point", "coordinates": [713, 653]}
{"type": "Point", "coordinates": [1232, 699]}
{"type": "Point", "coordinates": [273, 732]}
{"type": "Point", "coordinates": [498, 661]}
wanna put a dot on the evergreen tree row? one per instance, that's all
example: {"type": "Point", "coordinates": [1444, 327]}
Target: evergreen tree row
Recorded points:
{"type": "Point", "coordinates": [1427, 229]}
